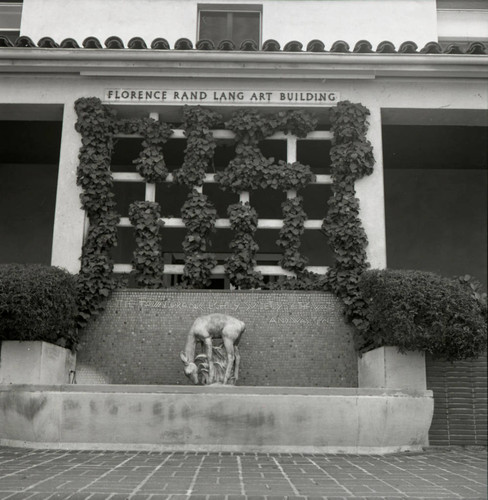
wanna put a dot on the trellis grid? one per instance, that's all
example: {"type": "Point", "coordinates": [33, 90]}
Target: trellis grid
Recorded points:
{"type": "Point", "coordinates": [244, 196]}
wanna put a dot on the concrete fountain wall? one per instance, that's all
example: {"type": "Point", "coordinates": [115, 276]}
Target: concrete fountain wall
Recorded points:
{"type": "Point", "coordinates": [298, 391]}
{"type": "Point", "coordinates": [280, 419]}
{"type": "Point", "coordinates": [292, 338]}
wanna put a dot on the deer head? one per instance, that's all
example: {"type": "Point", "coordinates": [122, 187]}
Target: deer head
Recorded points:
{"type": "Point", "coordinates": [190, 369]}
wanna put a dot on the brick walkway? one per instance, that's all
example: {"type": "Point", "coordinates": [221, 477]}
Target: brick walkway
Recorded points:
{"type": "Point", "coordinates": [96, 475]}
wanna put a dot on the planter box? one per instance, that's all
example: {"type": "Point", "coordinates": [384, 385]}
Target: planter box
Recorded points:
{"type": "Point", "coordinates": [386, 367]}
{"type": "Point", "coordinates": [35, 362]}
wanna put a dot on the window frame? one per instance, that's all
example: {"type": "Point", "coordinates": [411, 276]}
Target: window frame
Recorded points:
{"type": "Point", "coordinates": [12, 12]}
{"type": "Point", "coordinates": [230, 9]}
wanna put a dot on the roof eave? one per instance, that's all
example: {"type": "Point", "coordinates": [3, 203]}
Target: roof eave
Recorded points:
{"type": "Point", "coordinates": [218, 64]}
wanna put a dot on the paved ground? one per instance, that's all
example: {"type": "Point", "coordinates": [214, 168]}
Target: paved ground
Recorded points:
{"type": "Point", "coordinates": [95, 475]}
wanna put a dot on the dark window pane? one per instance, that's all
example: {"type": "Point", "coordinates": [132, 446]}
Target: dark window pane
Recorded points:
{"type": "Point", "coordinates": [213, 26]}
{"type": "Point", "coordinates": [273, 149]}
{"type": "Point", "coordinates": [315, 198]}
{"type": "Point", "coordinates": [224, 153]}
{"type": "Point", "coordinates": [315, 247]}
{"type": "Point", "coordinates": [27, 200]}
{"type": "Point", "coordinates": [220, 241]}
{"type": "Point", "coordinates": [220, 199]}
{"type": "Point", "coordinates": [267, 203]}
{"type": "Point", "coordinates": [171, 197]}
{"type": "Point", "coordinates": [126, 244]}
{"type": "Point", "coordinates": [235, 26]}
{"type": "Point", "coordinates": [127, 193]}
{"type": "Point", "coordinates": [174, 153]}
{"type": "Point", "coordinates": [35, 142]}
{"type": "Point", "coordinates": [125, 152]}
{"type": "Point", "coordinates": [245, 26]}
{"type": "Point", "coordinates": [316, 154]}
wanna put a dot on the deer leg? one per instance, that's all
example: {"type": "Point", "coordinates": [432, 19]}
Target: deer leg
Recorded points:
{"type": "Point", "coordinates": [229, 348]}
{"type": "Point", "coordinates": [238, 361]}
{"type": "Point", "coordinates": [211, 371]}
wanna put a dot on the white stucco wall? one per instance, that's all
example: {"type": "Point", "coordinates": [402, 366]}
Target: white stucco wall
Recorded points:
{"type": "Point", "coordinates": [283, 20]}
{"type": "Point", "coordinates": [431, 95]}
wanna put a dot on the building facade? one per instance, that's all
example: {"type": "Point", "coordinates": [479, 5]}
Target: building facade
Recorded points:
{"type": "Point", "coordinates": [418, 66]}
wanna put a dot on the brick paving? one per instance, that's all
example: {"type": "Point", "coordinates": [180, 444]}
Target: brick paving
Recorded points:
{"type": "Point", "coordinates": [447, 473]}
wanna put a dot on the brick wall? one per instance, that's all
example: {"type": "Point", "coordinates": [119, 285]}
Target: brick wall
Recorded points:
{"type": "Point", "coordinates": [291, 339]}
{"type": "Point", "coordinates": [459, 402]}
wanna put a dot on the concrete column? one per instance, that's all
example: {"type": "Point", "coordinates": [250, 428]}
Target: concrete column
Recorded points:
{"type": "Point", "coordinates": [370, 191]}
{"type": "Point", "coordinates": [69, 217]}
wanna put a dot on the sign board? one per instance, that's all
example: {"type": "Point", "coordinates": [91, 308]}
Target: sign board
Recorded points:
{"type": "Point", "coordinates": [220, 97]}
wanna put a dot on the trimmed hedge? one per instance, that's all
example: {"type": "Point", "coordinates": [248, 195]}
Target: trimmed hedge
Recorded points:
{"type": "Point", "coordinates": [37, 303]}
{"type": "Point", "coordinates": [423, 311]}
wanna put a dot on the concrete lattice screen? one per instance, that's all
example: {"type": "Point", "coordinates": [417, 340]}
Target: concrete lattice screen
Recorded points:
{"type": "Point", "coordinates": [268, 228]}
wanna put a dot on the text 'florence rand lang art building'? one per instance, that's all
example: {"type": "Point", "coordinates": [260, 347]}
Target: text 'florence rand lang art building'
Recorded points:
{"type": "Point", "coordinates": [418, 66]}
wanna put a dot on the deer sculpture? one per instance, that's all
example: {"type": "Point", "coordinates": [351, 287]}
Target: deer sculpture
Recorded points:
{"type": "Point", "coordinates": [206, 328]}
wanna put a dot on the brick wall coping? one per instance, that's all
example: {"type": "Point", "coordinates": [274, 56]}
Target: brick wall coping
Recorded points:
{"type": "Point", "coordinates": [177, 290]}
{"type": "Point", "coordinates": [230, 390]}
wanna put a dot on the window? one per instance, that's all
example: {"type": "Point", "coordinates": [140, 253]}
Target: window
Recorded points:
{"type": "Point", "coordinates": [236, 23]}
{"type": "Point", "coordinates": [10, 14]}
{"type": "Point", "coordinates": [462, 4]}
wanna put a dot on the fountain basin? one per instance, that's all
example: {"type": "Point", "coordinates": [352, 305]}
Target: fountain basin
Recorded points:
{"type": "Point", "coordinates": [215, 418]}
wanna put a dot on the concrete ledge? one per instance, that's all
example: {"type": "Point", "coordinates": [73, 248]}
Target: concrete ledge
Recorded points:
{"type": "Point", "coordinates": [188, 418]}
{"type": "Point", "coordinates": [35, 362]}
{"type": "Point", "coordinates": [389, 368]}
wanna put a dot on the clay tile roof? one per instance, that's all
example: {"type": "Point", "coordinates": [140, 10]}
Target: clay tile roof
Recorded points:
{"type": "Point", "coordinates": [386, 47]}
{"type": "Point", "coordinates": [205, 45]}
{"type": "Point", "coordinates": [114, 42]}
{"type": "Point", "coordinates": [340, 46]}
{"type": "Point", "coordinates": [363, 47]}
{"type": "Point", "coordinates": [137, 43]}
{"type": "Point", "coordinates": [293, 46]}
{"type": "Point", "coordinates": [226, 45]}
{"type": "Point", "coordinates": [160, 44]}
{"type": "Point", "coordinates": [315, 46]}
{"type": "Point", "coordinates": [47, 43]}
{"type": "Point", "coordinates": [69, 43]}
{"type": "Point", "coordinates": [453, 49]}
{"type": "Point", "coordinates": [431, 48]}
{"type": "Point", "coordinates": [249, 45]}
{"type": "Point", "coordinates": [476, 48]}
{"type": "Point", "coordinates": [408, 48]}
{"type": "Point", "coordinates": [271, 46]}
{"type": "Point", "coordinates": [5, 42]}
{"type": "Point", "coordinates": [92, 43]}
{"type": "Point", "coordinates": [24, 41]}
{"type": "Point", "coordinates": [183, 44]}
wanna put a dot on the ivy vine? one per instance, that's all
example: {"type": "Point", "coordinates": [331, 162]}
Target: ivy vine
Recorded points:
{"type": "Point", "coordinates": [150, 163]}
{"type": "Point", "coordinates": [148, 265]}
{"type": "Point", "coordinates": [294, 217]}
{"type": "Point", "coordinates": [352, 159]}
{"type": "Point", "coordinates": [197, 123]}
{"type": "Point", "coordinates": [240, 265]}
{"type": "Point", "coordinates": [251, 170]}
{"type": "Point", "coordinates": [95, 280]}
{"type": "Point", "coordinates": [199, 217]}
{"type": "Point", "coordinates": [297, 122]}
{"type": "Point", "coordinates": [197, 213]}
